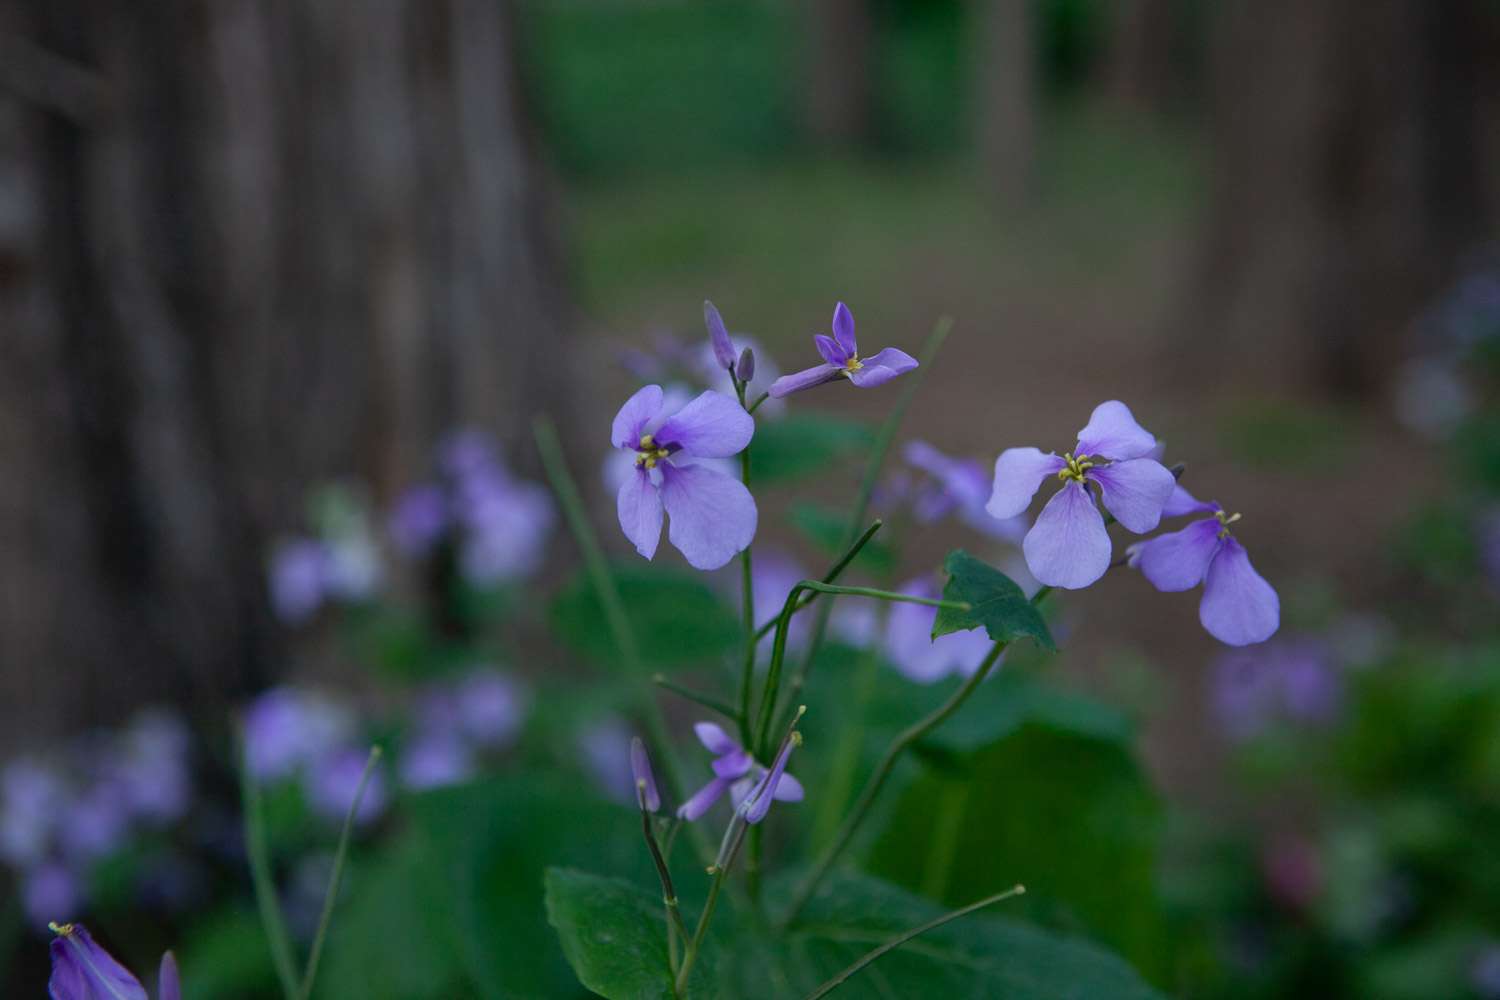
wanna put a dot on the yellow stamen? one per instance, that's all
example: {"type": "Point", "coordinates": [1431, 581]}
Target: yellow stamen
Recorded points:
{"type": "Point", "coordinates": [853, 364]}
{"type": "Point", "coordinates": [1226, 520]}
{"type": "Point", "coordinates": [1075, 468]}
{"type": "Point", "coordinates": [63, 931]}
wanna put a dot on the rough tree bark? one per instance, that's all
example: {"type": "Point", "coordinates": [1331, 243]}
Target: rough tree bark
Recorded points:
{"type": "Point", "coordinates": [1354, 171]}
{"type": "Point", "coordinates": [245, 246]}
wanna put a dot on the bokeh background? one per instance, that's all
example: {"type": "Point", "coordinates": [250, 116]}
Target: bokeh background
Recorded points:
{"type": "Point", "coordinates": [248, 249]}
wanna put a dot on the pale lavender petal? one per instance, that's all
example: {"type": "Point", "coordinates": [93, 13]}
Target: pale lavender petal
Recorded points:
{"type": "Point", "coordinates": [718, 336]}
{"type": "Point", "coordinates": [640, 768]}
{"type": "Point", "coordinates": [843, 330]}
{"type": "Point", "coordinates": [760, 802]}
{"type": "Point", "coordinates": [1134, 491]}
{"type": "Point", "coordinates": [81, 970]}
{"type": "Point", "coordinates": [711, 426]}
{"type": "Point", "coordinates": [1113, 433]}
{"type": "Point", "coordinates": [1068, 546]}
{"type": "Point", "coordinates": [634, 415]}
{"type": "Point", "coordinates": [805, 379]}
{"type": "Point", "coordinates": [830, 349]}
{"type": "Point", "coordinates": [714, 739]}
{"type": "Point", "coordinates": [1018, 475]}
{"type": "Point", "coordinates": [640, 509]}
{"type": "Point", "coordinates": [1239, 607]}
{"type": "Point", "coordinates": [713, 516]}
{"type": "Point", "coordinates": [882, 368]}
{"type": "Point", "coordinates": [1177, 560]}
{"type": "Point", "coordinates": [706, 797]}
{"type": "Point", "coordinates": [788, 789]}
{"type": "Point", "coordinates": [735, 764]}
{"type": "Point", "coordinates": [1183, 502]}
{"type": "Point", "coordinates": [169, 986]}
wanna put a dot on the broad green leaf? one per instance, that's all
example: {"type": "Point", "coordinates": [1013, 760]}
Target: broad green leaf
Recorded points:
{"type": "Point", "coordinates": [801, 446]}
{"type": "Point", "coordinates": [613, 934]}
{"type": "Point", "coordinates": [1011, 699]}
{"type": "Point", "coordinates": [984, 956]}
{"type": "Point", "coordinates": [999, 606]}
{"type": "Point", "coordinates": [1068, 816]}
{"type": "Point", "coordinates": [227, 957]}
{"type": "Point", "coordinates": [677, 619]}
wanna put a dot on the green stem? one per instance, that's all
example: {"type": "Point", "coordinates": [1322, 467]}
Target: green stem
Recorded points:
{"type": "Point", "coordinates": [669, 891]}
{"type": "Point", "coordinates": [832, 575]}
{"type": "Point", "coordinates": [690, 954]}
{"type": "Point", "coordinates": [896, 942]}
{"type": "Point", "coordinates": [692, 694]}
{"type": "Point", "coordinates": [756, 405]}
{"type": "Point", "coordinates": [903, 742]}
{"type": "Point", "coordinates": [314, 956]}
{"type": "Point", "coordinates": [259, 853]}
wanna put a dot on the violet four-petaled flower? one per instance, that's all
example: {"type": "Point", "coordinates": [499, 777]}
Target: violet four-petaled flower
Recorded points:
{"type": "Point", "coordinates": [1238, 607]}
{"type": "Point", "coordinates": [841, 354]}
{"type": "Point", "coordinates": [81, 970]}
{"type": "Point", "coordinates": [1069, 546]}
{"type": "Point", "coordinates": [713, 515]}
{"type": "Point", "coordinates": [736, 772]}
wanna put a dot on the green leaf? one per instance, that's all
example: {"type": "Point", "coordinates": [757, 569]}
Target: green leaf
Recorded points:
{"type": "Point", "coordinates": [1070, 817]}
{"type": "Point", "coordinates": [801, 446]}
{"type": "Point", "coordinates": [613, 934]}
{"type": "Point", "coordinates": [999, 606]}
{"type": "Point", "coordinates": [678, 620]}
{"type": "Point", "coordinates": [980, 957]}
{"type": "Point", "coordinates": [1012, 699]}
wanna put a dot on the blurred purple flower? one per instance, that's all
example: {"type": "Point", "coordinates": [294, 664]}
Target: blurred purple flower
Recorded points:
{"type": "Point", "coordinates": [436, 760]}
{"type": "Point", "coordinates": [772, 577]}
{"type": "Point", "coordinates": [287, 729]}
{"type": "Point", "coordinates": [713, 515]}
{"type": "Point", "coordinates": [97, 821]}
{"type": "Point", "coordinates": [490, 706]}
{"type": "Point", "coordinates": [333, 782]}
{"type": "Point", "coordinates": [605, 747]}
{"type": "Point", "coordinates": [916, 654]}
{"type": "Point", "coordinates": [418, 520]}
{"type": "Point", "coordinates": [1295, 679]}
{"type": "Point", "coordinates": [1484, 971]}
{"type": "Point", "coordinates": [1069, 546]}
{"type": "Point", "coordinates": [841, 360]}
{"type": "Point", "coordinates": [301, 571]}
{"type": "Point", "coordinates": [508, 523]}
{"type": "Point", "coordinates": [736, 772]}
{"type": "Point", "coordinates": [50, 891]}
{"type": "Point", "coordinates": [958, 485]}
{"type": "Point", "coordinates": [31, 805]}
{"type": "Point", "coordinates": [152, 768]}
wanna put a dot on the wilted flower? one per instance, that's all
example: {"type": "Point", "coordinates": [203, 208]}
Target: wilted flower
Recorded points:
{"type": "Point", "coordinates": [736, 772]}
{"type": "Point", "coordinates": [645, 781]}
{"type": "Point", "coordinates": [81, 970]}
{"type": "Point", "coordinates": [713, 515]}
{"type": "Point", "coordinates": [841, 356]}
{"type": "Point", "coordinates": [1238, 607]}
{"type": "Point", "coordinates": [1069, 546]}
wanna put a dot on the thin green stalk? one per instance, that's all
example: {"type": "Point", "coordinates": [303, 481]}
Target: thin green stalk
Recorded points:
{"type": "Point", "coordinates": [692, 694]}
{"type": "Point", "coordinates": [316, 954]}
{"type": "Point", "coordinates": [896, 942]}
{"type": "Point", "coordinates": [903, 742]}
{"type": "Point", "coordinates": [259, 855]}
{"type": "Point", "coordinates": [832, 575]}
{"type": "Point", "coordinates": [756, 405]}
{"type": "Point", "coordinates": [690, 953]}
{"type": "Point", "coordinates": [669, 891]}
{"type": "Point", "coordinates": [845, 766]}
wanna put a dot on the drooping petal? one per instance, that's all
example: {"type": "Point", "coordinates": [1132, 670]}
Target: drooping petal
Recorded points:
{"type": "Point", "coordinates": [788, 789]}
{"type": "Point", "coordinates": [635, 415]}
{"type": "Point", "coordinates": [1113, 433]}
{"type": "Point", "coordinates": [711, 426]}
{"type": "Point", "coordinates": [1239, 607]}
{"type": "Point", "coordinates": [1134, 491]}
{"type": "Point", "coordinates": [639, 507]}
{"type": "Point", "coordinates": [645, 780]}
{"type": "Point", "coordinates": [713, 516]}
{"type": "Point", "coordinates": [843, 330]}
{"type": "Point", "coordinates": [169, 986]}
{"type": "Point", "coordinates": [1177, 560]}
{"type": "Point", "coordinates": [1068, 546]}
{"type": "Point", "coordinates": [706, 797]}
{"type": "Point", "coordinates": [805, 379]}
{"type": "Point", "coordinates": [830, 349]}
{"type": "Point", "coordinates": [1183, 502]}
{"type": "Point", "coordinates": [735, 764]}
{"type": "Point", "coordinates": [883, 367]}
{"type": "Point", "coordinates": [81, 970]}
{"type": "Point", "coordinates": [714, 739]}
{"type": "Point", "coordinates": [718, 336]}
{"type": "Point", "coordinates": [1018, 474]}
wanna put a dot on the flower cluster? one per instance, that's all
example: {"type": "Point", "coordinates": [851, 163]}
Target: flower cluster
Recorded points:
{"type": "Point", "coordinates": [340, 563]}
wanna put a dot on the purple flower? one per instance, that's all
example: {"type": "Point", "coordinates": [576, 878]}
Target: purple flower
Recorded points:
{"type": "Point", "coordinates": [916, 654]}
{"type": "Point", "coordinates": [97, 822]}
{"type": "Point", "coordinates": [645, 781]}
{"type": "Point", "coordinates": [1238, 606]}
{"type": "Point", "coordinates": [841, 354]}
{"type": "Point", "coordinates": [1293, 679]}
{"type": "Point", "coordinates": [490, 706]}
{"type": "Point", "coordinates": [736, 772]}
{"type": "Point", "coordinates": [418, 519]}
{"type": "Point", "coordinates": [334, 782]}
{"type": "Point", "coordinates": [959, 486]}
{"type": "Point", "coordinates": [758, 802]}
{"type": "Point", "coordinates": [32, 799]}
{"type": "Point", "coordinates": [436, 760]}
{"type": "Point", "coordinates": [287, 729]}
{"type": "Point", "coordinates": [605, 745]}
{"type": "Point", "coordinates": [49, 891]}
{"type": "Point", "coordinates": [718, 337]}
{"type": "Point", "coordinates": [1069, 546]}
{"type": "Point", "coordinates": [300, 579]}
{"type": "Point", "coordinates": [713, 515]}
{"type": "Point", "coordinates": [773, 576]}
{"type": "Point", "coordinates": [81, 970]}
{"type": "Point", "coordinates": [1484, 971]}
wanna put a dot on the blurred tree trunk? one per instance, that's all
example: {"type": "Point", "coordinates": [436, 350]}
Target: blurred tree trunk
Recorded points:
{"type": "Point", "coordinates": [1006, 89]}
{"type": "Point", "coordinates": [1354, 168]}
{"type": "Point", "coordinates": [244, 247]}
{"type": "Point", "coordinates": [838, 85]}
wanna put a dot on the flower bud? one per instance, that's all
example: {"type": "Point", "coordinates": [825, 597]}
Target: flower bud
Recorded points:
{"type": "Point", "coordinates": [745, 370]}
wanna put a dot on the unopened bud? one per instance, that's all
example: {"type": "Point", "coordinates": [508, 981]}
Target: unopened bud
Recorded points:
{"type": "Point", "coordinates": [745, 370]}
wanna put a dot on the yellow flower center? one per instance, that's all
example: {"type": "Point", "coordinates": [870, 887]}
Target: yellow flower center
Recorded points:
{"type": "Point", "coordinates": [853, 364]}
{"type": "Point", "coordinates": [1226, 520]}
{"type": "Point", "coordinates": [62, 930]}
{"type": "Point", "coordinates": [650, 453]}
{"type": "Point", "coordinates": [1075, 468]}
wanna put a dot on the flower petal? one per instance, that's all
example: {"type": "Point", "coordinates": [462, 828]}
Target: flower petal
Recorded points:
{"type": "Point", "coordinates": [1183, 502]}
{"type": "Point", "coordinates": [718, 336]}
{"type": "Point", "coordinates": [830, 349]}
{"type": "Point", "coordinates": [735, 764]}
{"type": "Point", "coordinates": [1068, 546]}
{"type": "Point", "coordinates": [714, 739]}
{"type": "Point", "coordinates": [711, 426]}
{"type": "Point", "coordinates": [169, 986]}
{"type": "Point", "coordinates": [1113, 433]}
{"type": "Point", "coordinates": [1177, 560]}
{"type": "Point", "coordinates": [760, 801]}
{"type": "Point", "coordinates": [706, 797]}
{"type": "Point", "coordinates": [645, 780]}
{"type": "Point", "coordinates": [883, 367]}
{"type": "Point", "coordinates": [788, 789]}
{"type": "Point", "coordinates": [805, 379]}
{"type": "Point", "coordinates": [634, 415]}
{"type": "Point", "coordinates": [1018, 474]}
{"type": "Point", "coordinates": [843, 330]}
{"type": "Point", "coordinates": [713, 516]}
{"type": "Point", "coordinates": [81, 970]}
{"type": "Point", "coordinates": [1239, 607]}
{"type": "Point", "coordinates": [1134, 491]}
{"type": "Point", "coordinates": [639, 507]}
